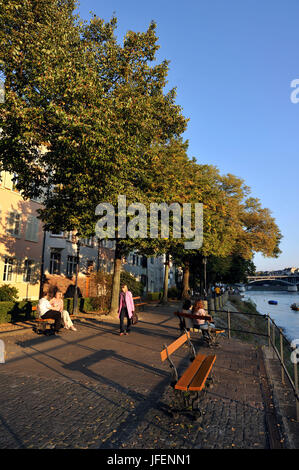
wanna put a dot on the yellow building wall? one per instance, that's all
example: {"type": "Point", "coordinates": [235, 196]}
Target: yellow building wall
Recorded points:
{"type": "Point", "coordinates": [22, 246]}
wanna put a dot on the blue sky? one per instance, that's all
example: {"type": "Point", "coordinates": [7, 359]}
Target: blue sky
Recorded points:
{"type": "Point", "coordinates": [232, 63]}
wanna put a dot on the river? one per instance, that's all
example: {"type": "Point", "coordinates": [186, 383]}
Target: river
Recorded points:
{"type": "Point", "coordinates": [281, 313]}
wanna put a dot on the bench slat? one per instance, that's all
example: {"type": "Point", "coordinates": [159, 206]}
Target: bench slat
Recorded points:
{"type": "Point", "coordinates": [174, 346]}
{"type": "Point", "coordinates": [184, 381]}
{"type": "Point", "coordinates": [202, 374]}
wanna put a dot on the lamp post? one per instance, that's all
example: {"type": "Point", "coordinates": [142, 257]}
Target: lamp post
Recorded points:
{"type": "Point", "coordinates": [75, 306]}
{"type": "Point", "coordinates": [42, 266]}
{"type": "Point", "coordinates": [204, 260]}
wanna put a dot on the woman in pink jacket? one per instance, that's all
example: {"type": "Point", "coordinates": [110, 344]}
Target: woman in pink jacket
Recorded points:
{"type": "Point", "coordinates": [126, 309]}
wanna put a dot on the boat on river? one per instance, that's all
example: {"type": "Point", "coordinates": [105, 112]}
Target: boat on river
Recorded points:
{"type": "Point", "coordinates": [295, 307]}
{"type": "Point", "coordinates": [272, 302]}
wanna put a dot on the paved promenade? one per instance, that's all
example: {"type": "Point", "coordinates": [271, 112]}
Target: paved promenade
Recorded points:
{"type": "Point", "coordinates": [93, 389]}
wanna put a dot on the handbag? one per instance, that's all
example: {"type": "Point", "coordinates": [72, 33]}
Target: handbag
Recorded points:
{"type": "Point", "coordinates": [134, 318]}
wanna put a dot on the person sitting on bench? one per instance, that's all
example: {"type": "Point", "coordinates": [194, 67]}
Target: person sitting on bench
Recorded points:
{"type": "Point", "coordinates": [45, 311]}
{"type": "Point", "coordinates": [199, 309]}
{"type": "Point", "coordinates": [57, 304]}
{"type": "Point", "coordinates": [186, 322]}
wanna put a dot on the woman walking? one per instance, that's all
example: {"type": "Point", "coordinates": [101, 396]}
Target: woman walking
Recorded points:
{"type": "Point", "coordinates": [126, 309]}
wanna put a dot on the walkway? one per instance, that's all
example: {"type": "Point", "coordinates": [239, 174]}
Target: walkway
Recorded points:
{"type": "Point", "coordinates": [94, 389]}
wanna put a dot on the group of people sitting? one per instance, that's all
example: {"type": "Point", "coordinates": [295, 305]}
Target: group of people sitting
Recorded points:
{"type": "Point", "coordinates": [201, 323]}
{"type": "Point", "coordinates": [52, 307]}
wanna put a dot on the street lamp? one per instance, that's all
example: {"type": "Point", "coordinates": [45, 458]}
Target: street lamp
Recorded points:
{"type": "Point", "coordinates": [75, 306]}
{"type": "Point", "coordinates": [204, 260]}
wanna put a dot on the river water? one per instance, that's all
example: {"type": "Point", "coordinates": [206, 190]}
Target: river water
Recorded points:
{"type": "Point", "coordinates": [281, 313]}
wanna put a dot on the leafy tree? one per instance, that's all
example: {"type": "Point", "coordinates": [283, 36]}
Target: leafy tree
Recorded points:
{"type": "Point", "coordinates": [82, 114]}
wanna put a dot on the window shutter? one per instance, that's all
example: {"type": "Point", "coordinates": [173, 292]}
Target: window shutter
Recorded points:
{"type": "Point", "coordinates": [32, 229]}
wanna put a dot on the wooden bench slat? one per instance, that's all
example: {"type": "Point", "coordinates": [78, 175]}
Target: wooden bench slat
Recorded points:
{"type": "Point", "coordinates": [184, 381]}
{"type": "Point", "coordinates": [174, 346]}
{"type": "Point", "coordinates": [200, 377]}
{"type": "Point", "coordinates": [49, 321]}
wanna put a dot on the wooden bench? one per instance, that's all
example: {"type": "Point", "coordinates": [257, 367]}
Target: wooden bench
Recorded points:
{"type": "Point", "coordinates": [139, 304]}
{"type": "Point", "coordinates": [43, 326]}
{"type": "Point", "coordinates": [212, 333]}
{"type": "Point", "coordinates": [188, 386]}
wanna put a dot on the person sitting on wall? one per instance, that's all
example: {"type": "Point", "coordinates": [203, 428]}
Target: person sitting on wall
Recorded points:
{"type": "Point", "coordinates": [45, 311]}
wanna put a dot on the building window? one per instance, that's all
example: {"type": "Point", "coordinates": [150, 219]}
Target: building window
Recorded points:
{"type": "Point", "coordinates": [27, 274]}
{"type": "Point", "coordinates": [71, 266]}
{"type": "Point", "coordinates": [88, 242]}
{"type": "Point", "coordinates": [14, 224]}
{"type": "Point", "coordinates": [58, 234]}
{"type": "Point", "coordinates": [32, 229]}
{"type": "Point", "coordinates": [14, 180]}
{"type": "Point", "coordinates": [55, 262]}
{"type": "Point", "coordinates": [8, 269]}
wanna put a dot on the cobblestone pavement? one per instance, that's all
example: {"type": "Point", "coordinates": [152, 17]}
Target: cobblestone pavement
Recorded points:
{"type": "Point", "coordinates": [94, 389]}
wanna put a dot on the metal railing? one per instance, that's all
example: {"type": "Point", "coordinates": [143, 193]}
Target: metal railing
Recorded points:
{"type": "Point", "coordinates": [276, 339]}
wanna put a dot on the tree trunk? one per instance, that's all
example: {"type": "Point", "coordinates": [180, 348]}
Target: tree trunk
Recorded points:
{"type": "Point", "coordinates": [116, 283]}
{"type": "Point", "coordinates": [186, 275]}
{"type": "Point", "coordinates": [164, 299]}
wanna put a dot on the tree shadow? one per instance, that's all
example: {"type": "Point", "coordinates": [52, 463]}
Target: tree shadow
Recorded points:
{"type": "Point", "coordinates": [21, 311]}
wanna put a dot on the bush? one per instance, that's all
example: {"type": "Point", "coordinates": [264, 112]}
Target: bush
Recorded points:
{"type": "Point", "coordinates": [173, 293]}
{"type": "Point", "coordinates": [8, 293]}
{"type": "Point", "coordinates": [16, 311]}
{"type": "Point", "coordinates": [154, 295]}
{"type": "Point", "coordinates": [85, 304]}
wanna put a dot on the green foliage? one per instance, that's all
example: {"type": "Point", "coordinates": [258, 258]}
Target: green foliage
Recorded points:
{"type": "Point", "coordinates": [101, 303]}
{"type": "Point", "coordinates": [16, 311]}
{"type": "Point", "coordinates": [231, 269]}
{"type": "Point", "coordinates": [154, 295]}
{"type": "Point", "coordinates": [173, 293]}
{"type": "Point", "coordinates": [136, 287]}
{"type": "Point", "coordinates": [85, 304]}
{"type": "Point", "coordinates": [8, 293]}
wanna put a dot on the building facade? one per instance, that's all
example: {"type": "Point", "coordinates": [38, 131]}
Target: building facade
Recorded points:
{"type": "Point", "coordinates": [21, 240]}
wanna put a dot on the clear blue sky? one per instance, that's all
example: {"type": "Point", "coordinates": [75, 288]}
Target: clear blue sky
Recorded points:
{"type": "Point", "coordinates": [232, 62]}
